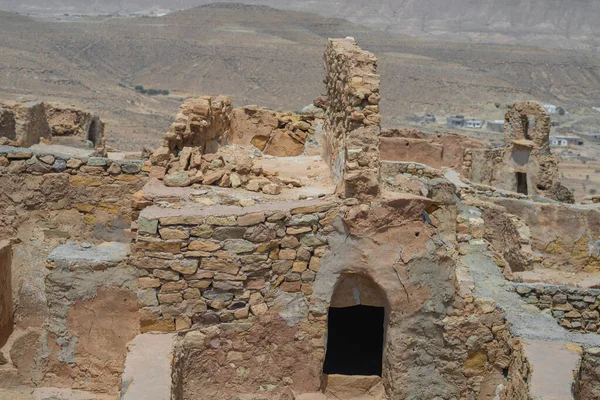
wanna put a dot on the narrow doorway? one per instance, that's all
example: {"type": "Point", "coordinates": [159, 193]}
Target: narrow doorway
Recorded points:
{"type": "Point", "coordinates": [522, 183]}
{"type": "Point", "coordinates": [355, 341]}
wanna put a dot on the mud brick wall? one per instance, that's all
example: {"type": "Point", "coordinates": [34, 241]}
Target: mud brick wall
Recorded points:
{"type": "Point", "coordinates": [575, 309]}
{"type": "Point", "coordinates": [211, 269]}
{"type": "Point", "coordinates": [352, 123]}
{"type": "Point", "coordinates": [6, 306]}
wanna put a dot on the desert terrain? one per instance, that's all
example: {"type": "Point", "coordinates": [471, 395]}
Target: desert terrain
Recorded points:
{"type": "Point", "coordinates": [554, 23]}
{"type": "Point", "coordinates": [260, 55]}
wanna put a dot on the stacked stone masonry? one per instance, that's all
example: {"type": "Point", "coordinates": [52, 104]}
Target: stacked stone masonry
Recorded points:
{"type": "Point", "coordinates": [203, 270]}
{"type": "Point", "coordinates": [95, 188]}
{"type": "Point", "coordinates": [575, 309]}
{"type": "Point", "coordinates": [352, 124]}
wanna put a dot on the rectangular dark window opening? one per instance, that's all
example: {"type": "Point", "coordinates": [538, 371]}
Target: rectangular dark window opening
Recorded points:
{"type": "Point", "coordinates": [522, 183]}
{"type": "Point", "coordinates": [355, 341]}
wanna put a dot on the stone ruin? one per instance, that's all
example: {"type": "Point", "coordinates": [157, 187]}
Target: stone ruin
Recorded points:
{"type": "Point", "coordinates": [26, 124]}
{"type": "Point", "coordinates": [269, 255]}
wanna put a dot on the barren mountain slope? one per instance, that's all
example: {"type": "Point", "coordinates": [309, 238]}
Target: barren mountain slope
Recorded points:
{"type": "Point", "coordinates": [553, 23]}
{"type": "Point", "coordinates": [273, 58]}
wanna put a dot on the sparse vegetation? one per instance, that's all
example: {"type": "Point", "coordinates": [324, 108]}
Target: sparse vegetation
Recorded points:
{"type": "Point", "coordinates": [593, 191]}
{"type": "Point", "coordinates": [151, 92]}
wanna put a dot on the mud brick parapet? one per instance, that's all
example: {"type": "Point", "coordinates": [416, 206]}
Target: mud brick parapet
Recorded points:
{"type": "Point", "coordinates": [352, 124]}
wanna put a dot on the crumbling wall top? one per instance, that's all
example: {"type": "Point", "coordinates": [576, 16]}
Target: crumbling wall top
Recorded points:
{"type": "Point", "coordinates": [353, 121]}
{"type": "Point", "coordinates": [528, 121]}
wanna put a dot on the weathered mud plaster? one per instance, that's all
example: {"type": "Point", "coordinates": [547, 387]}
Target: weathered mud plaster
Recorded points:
{"type": "Point", "coordinates": [417, 280]}
{"type": "Point", "coordinates": [91, 301]}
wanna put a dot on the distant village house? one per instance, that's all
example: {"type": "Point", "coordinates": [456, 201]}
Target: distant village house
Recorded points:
{"type": "Point", "coordinates": [566, 140]}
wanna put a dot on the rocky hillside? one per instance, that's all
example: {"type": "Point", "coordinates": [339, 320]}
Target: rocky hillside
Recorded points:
{"type": "Point", "coordinates": [551, 23]}
{"type": "Point", "coordinates": [259, 55]}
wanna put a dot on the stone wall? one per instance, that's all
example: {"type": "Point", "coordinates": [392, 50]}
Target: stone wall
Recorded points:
{"type": "Point", "coordinates": [94, 188]}
{"type": "Point", "coordinates": [563, 236]}
{"type": "Point", "coordinates": [435, 150]}
{"type": "Point", "coordinates": [281, 134]}
{"type": "Point", "coordinates": [510, 236]}
{"type": "Point", "coordinates": [72, 126]}
{"type": "Point", "coordinates": [202, 123]}
{"type": "Point", "coordinates": [196, 264]}
{"type": "Point", "coordinates": [526, 155]}
{"type": "Point", "coordinates": [588, 382]}
{"type": "Point", "coordinates": [576, 309]}
{"type": "Point", "coordinates": [255, 284]}
{"type": "Point", "coordinates": [352, 123]}
{"type": "Point", "coordinates": [47, 200]}
{"type": "Point", "coordinates": [6, 302]}
{"type": "Point", "coordinates": [27, 124]}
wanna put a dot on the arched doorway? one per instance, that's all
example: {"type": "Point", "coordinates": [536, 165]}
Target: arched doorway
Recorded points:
{"type": "Point", "coordinates": [356, 327]}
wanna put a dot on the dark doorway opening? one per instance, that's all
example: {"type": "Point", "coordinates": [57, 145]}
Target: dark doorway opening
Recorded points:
{"type": "Point", "coordinates": [355, 341]}
{"type": "Point", "coordinates": [522, 183]}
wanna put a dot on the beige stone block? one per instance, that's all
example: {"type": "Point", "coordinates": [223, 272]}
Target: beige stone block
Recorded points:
{"type": "Point", "coordinates": [204, 245]}
{"type": "Point", "coordinates": [173, 234]}
{"type": "Point", "coordinates": [259, 309]}
{"type": "Point", "coordinates": [176, 286]}
{"type": "Point", "coordinates": [170, 298]}
{"type": "Point", "coordinates": [148, 282]}
{"type": "Point", "coordinates": [222, 221]}
{"type": "Point", "coordinates": [315, 264]}
{"type": "Point", "coordinates": [205, 284]}
{"type": "Point", "coordinates": [298, 230]}
{"type": "Point", "coordinates": [191, 293]}
{"type": "Point", "coordinates": [222, 265]}
{"type": "Point", "coordinates": [287, 254]}
{"type": "Point", "coordinates": [299, 266]}
{"type": "Point", "coordinates": [85, 181]}
{"type": "Point", "coordinates": [291, 287]}
{"type": "Point", "coordinates": [251, 219]}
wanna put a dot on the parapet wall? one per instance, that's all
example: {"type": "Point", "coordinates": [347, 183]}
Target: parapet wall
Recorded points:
{"type": "Point", "coordinates": [352, 123]}
{"type": "Point", "coordinates": [575, 309]}
{"type": "Point", "coordinates": [6, 306]}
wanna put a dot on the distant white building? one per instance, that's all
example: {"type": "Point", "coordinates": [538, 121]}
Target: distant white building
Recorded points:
{"type": "Point", "coordinates": [551, 108]}
{"type": "Point", "coordinates": [474, 123]}
{"type": "Point", "coordinates": [566, 140]}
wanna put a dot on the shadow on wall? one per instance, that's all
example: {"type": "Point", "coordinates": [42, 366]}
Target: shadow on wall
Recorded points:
{"type": "Point", "coordinates": [6, 308]}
